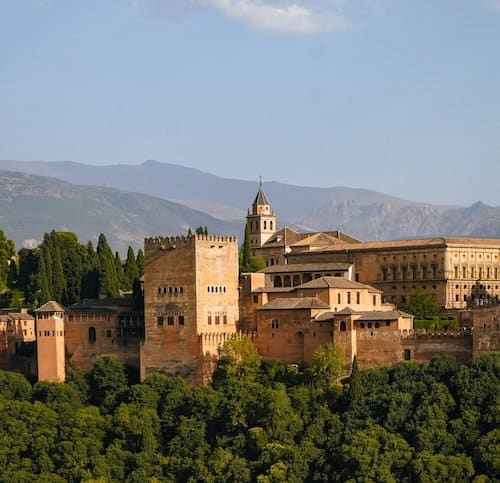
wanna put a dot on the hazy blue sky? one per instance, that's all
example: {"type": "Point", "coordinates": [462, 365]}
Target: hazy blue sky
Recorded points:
{"type": "Point", "coordinates": [401, 96]}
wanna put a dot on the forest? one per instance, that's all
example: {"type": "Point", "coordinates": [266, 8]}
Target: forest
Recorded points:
{"type": "Point", "coordinates": [63, 269]}
{"type": "Point", "coordinates": [257, 421]}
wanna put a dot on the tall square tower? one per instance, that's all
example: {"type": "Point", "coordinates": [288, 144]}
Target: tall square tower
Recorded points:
{"type": "Point", "coordinates": [190, 303]}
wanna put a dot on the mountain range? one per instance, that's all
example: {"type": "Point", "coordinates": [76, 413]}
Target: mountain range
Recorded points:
{"type": "Point", "coordinates": [129, 202]}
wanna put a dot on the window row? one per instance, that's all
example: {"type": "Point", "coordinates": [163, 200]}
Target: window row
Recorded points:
{"type": "Point", "coordinates": [50, 333]}
{"type": "Point", "coordinates": [216, 318]}
{"type": "Point", "coordinates": [170, 290]}
{"type": "Point", "coordinates": [410, 273]}
{"type": "Point", "coordinates": [216, 289]}
{"type": "Point", "coordinates": [170, 319]}
{"type": "Point", "coordinates": [92, 334]}
{"type": "Point", "coordinates": [470, 272]}
{"type": "Point", "coordinates": [254, 225]}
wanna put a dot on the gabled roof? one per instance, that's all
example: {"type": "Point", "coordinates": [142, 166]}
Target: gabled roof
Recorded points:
{"type": "Point", "coordinates": [319, 239]}
{"type": "Point", "coordinates": [51, 306]}
{"type": "Point", "coordinates": [284, 235]}
{"type": "Point", "coordinates": [295, 303]}
{"type": "Point", "coordinates": [20, 316]}
{"type": "Point", "coordinates": [306, 267]}
{"type": "Point", "coordinates": [335, 282]}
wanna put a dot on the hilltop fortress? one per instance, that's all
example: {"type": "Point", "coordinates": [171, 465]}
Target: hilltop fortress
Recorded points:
{"type": "Point", "coordinates": [317, 288]}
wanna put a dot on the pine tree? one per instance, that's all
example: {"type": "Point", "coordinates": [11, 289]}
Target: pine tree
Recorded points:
{"type": "Point", "coordinates": [108, 280]}
{"type": "Point", "coordinates": [130, 273]}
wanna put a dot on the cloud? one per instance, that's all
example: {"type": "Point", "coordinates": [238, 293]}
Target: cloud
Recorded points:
{"type": "Point", "coordinates": [289, 17]}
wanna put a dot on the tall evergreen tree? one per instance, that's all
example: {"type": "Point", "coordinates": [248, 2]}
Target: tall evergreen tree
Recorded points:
{"type": "Point", "coordinates": [120, 274]}
{"type": "Point", "coordinates": [43, 294]}
{"type": "Point", "coordinates": [108, 280]}
{"type": "Point", "coordinates": [140, 262]}
{"type": "Point", "coordinates": [90, 279]}
{"type": "Point", "coordinates": [355, 392]}
{"type": "Point", "coordinates": [7, 251]}
{"type": "Point", "coordinates": [130, 272]}
{"type": "Point", "coordinates": [246, 256]}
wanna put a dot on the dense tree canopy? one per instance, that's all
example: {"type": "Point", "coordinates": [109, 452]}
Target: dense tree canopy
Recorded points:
{"type": "Point", "coordinates": [422, 304]}
{"type": "Point", "coordinates": [262, 421]}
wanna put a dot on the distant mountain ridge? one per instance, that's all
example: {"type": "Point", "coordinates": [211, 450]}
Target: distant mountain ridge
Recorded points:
{"type": "Point", "coordinates": [32, 205]}
{"type": "Point", "coordinates": [366, 214]}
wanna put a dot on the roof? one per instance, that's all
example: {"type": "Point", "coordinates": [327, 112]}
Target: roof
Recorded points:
{"type": "Point", "coordinates": [306, 267]}
{"type": "Point", "coordinates": [273, 289]}
{"type": "Point", "coordinates": [335, 282]}
{"type": "Point", "coordinates": [89, 310]}
{"type": "Point", "coordinates": [106, 302]}
{"type": "Point", "coordinates": [285, 234]}
{"type": "Point", "coordinates": [261, 198]}
{"type": "Point", "coordinates": [411, 243]}
{"type": "Point", "coordinates": [51, 306]}
{"type": "Point", "coordinates": [372, 315]}
{"type": "Point", "coordinates": [20, 316]}
{"type": "Point", "coordinates": [325, 238]}
{"type": "Point", "coordinates": [295, 303]}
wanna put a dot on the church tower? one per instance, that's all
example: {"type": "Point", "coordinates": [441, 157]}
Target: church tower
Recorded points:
{"type": "Point", "coordinates": [261, 221]}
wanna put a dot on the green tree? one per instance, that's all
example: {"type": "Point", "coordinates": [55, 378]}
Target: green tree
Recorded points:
{"type": "Point", "coordinates": [7, 251]}
{"type": "Point", "coordinates": [131, 273]}
{"type": "Point", "coordinates": [140, 262]}
{"type": "Point", "coordinates": [326, 364]}
{"type": "Point", "coordinates": [108, 280]}
{"type": "Point", "coordinates": [248, 262]}
{"type": "Point", "coordinates": [422, 304]}
{"type": "Point", "coordinates": [108, 383]}
{"type": "Point", "coordinates": [238, 357]}
{"type": "Point", "coordinates": [355, 392]}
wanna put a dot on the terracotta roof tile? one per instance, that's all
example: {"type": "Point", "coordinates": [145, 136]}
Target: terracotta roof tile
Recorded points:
{"type": "Point", "coordinates": [295, 303]}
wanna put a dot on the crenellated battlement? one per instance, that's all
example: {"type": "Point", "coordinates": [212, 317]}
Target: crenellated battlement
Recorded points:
{"type": "Point", "coordinates": [171, 242]}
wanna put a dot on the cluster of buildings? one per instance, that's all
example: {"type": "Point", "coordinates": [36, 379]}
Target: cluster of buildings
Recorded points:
{"type": "Point", "coordinates": [317, 288]}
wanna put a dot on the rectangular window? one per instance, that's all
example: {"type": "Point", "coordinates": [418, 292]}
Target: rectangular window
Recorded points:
{"type": "Point", "coordinates": [424, 272]}
{"type": "Point", "coordinates": [472, 272]}
{"type": "Point", "coordinates": [339, 298]}
{"type": "Point", "coordinates": [181, 319]}
{"type": "Point", "coordinates": [348, 297]}
{"type": "Point", "coordinates": [170, 320]}
{"type": "Point", "coordinates": [358, 298]}
{"type": "Point", "coordinates": [109, 334]}
{"type": "Point", "coordinates": [374, 300]}
{"type": "Point", "coordinates": [394, 273]}
{"type": "Point", "coordinates": [464, 272]}
{"type": "Point", "coordinates": [159, 320]}
{"type": "Point", "coordinates": [407, 355]}
{"type": "Point", "coordinates": [414, 273]}
{"type": "Point", "coordinates": [217, 319]}
{"type": "Point", "coordinates": [384, 274]}
{"type": "Point", "coordinates": [209, 319]}
{"type": "Point", "coordinates": [159, 289]}
{"type": "Point", "coordinates": [224, 319]}
{"type": "Point", "coordinates": [274, 324]}
{"type": "Point", "coordinates": [488, 273]}
{"type": "Point", "coordinates": [456, 272]}
{"type": "Point", "coordinates": [480, 270]}
{"type": "Point", "coordinates": [255, 299]}
{"type": "Point", "coordinates": [434, 271]}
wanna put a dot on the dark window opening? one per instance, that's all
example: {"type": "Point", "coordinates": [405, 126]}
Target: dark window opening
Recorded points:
{"type": "Point", "coordinates": [407, 355]}
{"type": "Point", "coordinates": [92, 334]}
{"type": "Point", "coordinates": [159, 320]}
{"type": "Point", "coordinates": [170, 320]}
{"type": "Point", "coordinates": [181, 319]}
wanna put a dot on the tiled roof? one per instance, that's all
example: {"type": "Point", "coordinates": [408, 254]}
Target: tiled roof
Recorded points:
{"type": "Point", "coordinates": [371, 315]}
{"type": "Point", "coordinates": [272, 289]}
{"type": "Point", "coordinates": [51, 306]}
{"type": "Point", "coordinates": [20, 316]}
{"type": "Point", "coordinates": [106, 302]}
{"type": "Point", "coordinates": [295, 303]}
{"type": "Point", "coordinates": [411, 243]}
{"type": "Point", "coordinates": [305, 267]}
{"type": "Point", "coordinates": [334, 282]}
{"type": "Point", "coordinates": [285, 234]}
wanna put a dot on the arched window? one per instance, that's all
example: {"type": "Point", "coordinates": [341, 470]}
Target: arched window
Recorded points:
{"type": "Point", "coordinates": [270, 225]}
{"type": "Point", "coordinates": [265, 225]}
{"type": "Point", "coordinates": [277, 281]}
{"type": "Point", "coordinates": [296, 280]}
{"type": "Point", "coordinates": [92, 334]}
{"type": "Point", "coordinates": [286, 281]}
{"type": "Point", "coordinates": [343, 327]}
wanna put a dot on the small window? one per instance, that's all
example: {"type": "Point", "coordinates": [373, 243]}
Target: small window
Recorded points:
{"type": "Point", "coordinates": [255, 299]}
{"type": "Point", "coordinates": [377, 325]}
{"type": "Point", "coordinates": [407, 355]}
{"type": "Point", "coordinates": [358, 298]}
{"type": "Point", "coordinates": [159, 289]}
{"type": "Point", "coordinates": [159, 320]}
{"type": "Point", "coordinates": [348, 297]}
{"type": "Point", "coordinates": [181, 319]}
{"type": "Point", "coordinates": [217, 320]}
{"type": "Point", "coordinates": [274, 324]}
{"type": "Point", "coordinates": [339, 298]}
{"type": "Point", "coordinates": [343, 326]}
{"type": "Point", "coordinates": [170, 320]}
{"type": "Point", "coordinates": [224, 319]}
{"type": "Point", "coordinates": [374, 300]}
{"type": "Point", "coordinates": [209, 319]}
{"type": "Point", "coordinates": [388, 324]}
{"type": "Point", "coordinates": [109, 334]}
{"type": "Point", "coordinates": [92, 334]}
{"type": "Point", "coordinates": [362, 325]}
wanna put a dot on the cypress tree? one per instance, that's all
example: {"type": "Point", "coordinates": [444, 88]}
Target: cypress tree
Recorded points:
{"type": "Point", "coordinates": [43, 286]}
{"type": "Point", "coordinates": [355, 392]}
{"type": "Point", "coordinates": [58, 281]}
{"type": "Point", "coordinates": [131, 271]}
{"type": "Point", "coordinates": [108, 280]}
{"type": "Point", "coordinates": [119, 272]}
{"type": "Point", "coordinates": [90, 279]}
{"type": "Point", "coordinates": [140, 262]}
{"type": "Point", "coordinates": [246, 259]}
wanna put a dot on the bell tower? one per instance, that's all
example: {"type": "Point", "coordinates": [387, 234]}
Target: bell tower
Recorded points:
{"type": "Point", "coordinates": [261, 220]}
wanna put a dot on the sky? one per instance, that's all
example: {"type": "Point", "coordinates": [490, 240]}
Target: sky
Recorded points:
{"type": "Point", "coordinates": [399, 96]}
